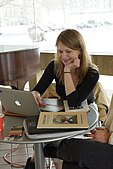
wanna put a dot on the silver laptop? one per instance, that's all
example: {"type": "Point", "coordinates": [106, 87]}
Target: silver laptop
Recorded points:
{"type": "Point", "coordinates": [20, 102]}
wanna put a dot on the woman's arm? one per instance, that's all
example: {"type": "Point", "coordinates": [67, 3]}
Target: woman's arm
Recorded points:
{"type": "Point", "coordinates": [71, 75]}
{"type": "Point", "coordinates": [46, 79]}
{"type": "Point", "coordinates": [43, 83]}
{"type": "Point", "coordinates": [84, 89]}
{"type": "Point", "coordinates": [69, 85]}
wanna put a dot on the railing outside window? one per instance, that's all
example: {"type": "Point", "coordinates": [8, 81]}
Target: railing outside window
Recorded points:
{"type": "Point", "coordinates": [40, 21]}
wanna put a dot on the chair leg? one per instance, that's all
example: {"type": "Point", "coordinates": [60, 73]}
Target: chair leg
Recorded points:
{"type": "Point", "coordinates": [27, 150]}
{"type": "Point", "coordinates": [49, 163]}
{"type": "Point", "coordinates": [11, 154]}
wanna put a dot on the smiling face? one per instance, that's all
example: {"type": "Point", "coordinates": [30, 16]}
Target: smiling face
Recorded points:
{"type": "Point", "coordinates": [66, 54]}
{"type": "Point", "coordinates": [71, 53]}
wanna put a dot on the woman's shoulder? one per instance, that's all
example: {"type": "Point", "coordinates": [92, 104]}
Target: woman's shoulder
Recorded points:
{"type": "Point", "coordinates": [51, 63]}
{"type": "Point", "coordinates": [50, 67]}
{"type": "Point", "coordinates": [92, 72]}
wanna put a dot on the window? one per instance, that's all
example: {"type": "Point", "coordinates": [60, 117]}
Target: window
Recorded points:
{"type": "Point", "coordinates": [31, 21]}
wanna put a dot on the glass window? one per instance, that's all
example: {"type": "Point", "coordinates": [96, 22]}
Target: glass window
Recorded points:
{"type": "Point", "coordinates": [40, 21]}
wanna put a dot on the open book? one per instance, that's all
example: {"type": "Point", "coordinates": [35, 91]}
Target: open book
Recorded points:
{"type": "Point", "coordinates": [84, 107]}
{"type": "Point", "coordinates": [63, 120]}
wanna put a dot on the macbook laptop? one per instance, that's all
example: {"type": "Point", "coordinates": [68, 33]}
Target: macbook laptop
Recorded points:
{"type": "Point", "coordinates": [22, 103]}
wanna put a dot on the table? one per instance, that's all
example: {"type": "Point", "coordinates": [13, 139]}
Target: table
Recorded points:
{"type": "Point", "coordinates": [10, 121]}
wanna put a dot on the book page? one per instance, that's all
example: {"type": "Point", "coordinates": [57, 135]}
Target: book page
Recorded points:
{"type": "Point", "coordinates": [84, 107]}
{"type": "Point", "coordinates": [52, 105]}
{"type": "Point", "coordinates": [62, 120]}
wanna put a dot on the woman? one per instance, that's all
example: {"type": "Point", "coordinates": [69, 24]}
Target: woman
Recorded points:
{"type": "Point", "coordinates": [72, 69]}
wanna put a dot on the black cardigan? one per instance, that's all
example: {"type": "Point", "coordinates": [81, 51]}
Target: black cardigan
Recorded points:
{"type": "Point", "coordinates": [83, 91]}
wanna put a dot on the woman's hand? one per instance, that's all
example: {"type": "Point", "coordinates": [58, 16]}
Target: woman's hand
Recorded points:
{"type": "Point", "coordinates": [38, 98]}
{"type": "Point", "coordinates": [72, 64]}
{"type": "Point", "coordinates": [100, 134]}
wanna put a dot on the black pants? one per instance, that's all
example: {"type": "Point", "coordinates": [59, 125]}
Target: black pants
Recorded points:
{"type": "Point", "coordinates": [85, 154]}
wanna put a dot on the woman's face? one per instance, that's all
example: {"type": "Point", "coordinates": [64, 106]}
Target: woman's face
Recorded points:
{"type": "Point", "coordinates": [66, 54]}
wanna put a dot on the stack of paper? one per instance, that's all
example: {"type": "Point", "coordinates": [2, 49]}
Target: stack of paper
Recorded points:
{"type": "Point", "coordinates": [84, 107]}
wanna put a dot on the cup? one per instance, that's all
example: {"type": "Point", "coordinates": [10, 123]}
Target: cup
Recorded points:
{"type": "Point", "coordinates": [1, 122]}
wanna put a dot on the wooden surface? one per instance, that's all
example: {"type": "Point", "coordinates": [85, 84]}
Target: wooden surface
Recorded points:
{"type": "Point", "coordinates": [104, 62]}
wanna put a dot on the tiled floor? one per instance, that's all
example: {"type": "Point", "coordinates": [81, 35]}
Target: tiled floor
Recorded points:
{"type": "Point", "coordinates": [20, 155]}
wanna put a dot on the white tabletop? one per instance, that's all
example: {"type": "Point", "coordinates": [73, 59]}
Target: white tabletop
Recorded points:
{"type": "Point", "coordinates": [10, 121]}
{"type": "Point", "coordinates": [38, 146]}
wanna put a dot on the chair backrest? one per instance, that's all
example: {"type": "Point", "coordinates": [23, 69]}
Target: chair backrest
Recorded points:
{"type": "Point", "coordinates": [109, 115]}
{"type": "Point", "coordinates": [102, 101]}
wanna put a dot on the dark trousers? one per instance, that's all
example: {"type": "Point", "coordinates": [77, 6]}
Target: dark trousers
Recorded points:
{"type": "Point", "coordinates": [85, 154]}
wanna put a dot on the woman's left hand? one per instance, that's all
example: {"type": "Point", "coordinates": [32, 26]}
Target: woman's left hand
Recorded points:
{"type": "Point", "coordinates": [72, 64]}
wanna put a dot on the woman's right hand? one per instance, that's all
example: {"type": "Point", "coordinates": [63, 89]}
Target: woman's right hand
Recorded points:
{"type": "Point", "coordinates": [38, 99]}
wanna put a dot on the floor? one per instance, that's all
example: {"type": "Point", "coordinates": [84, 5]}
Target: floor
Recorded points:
{"type": "Point", "coordinates": [21, 154]}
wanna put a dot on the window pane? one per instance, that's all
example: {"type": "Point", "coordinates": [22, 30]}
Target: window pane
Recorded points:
{"type": "Point", "coordinates": [31, 21]}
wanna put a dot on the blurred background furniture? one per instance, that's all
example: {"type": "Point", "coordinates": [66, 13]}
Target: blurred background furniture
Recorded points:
{"type": "Point", "coordinates": [19, 64]}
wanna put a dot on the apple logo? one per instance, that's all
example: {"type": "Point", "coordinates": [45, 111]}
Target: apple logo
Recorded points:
{"type": "Point", "coordinates": [17, 103]}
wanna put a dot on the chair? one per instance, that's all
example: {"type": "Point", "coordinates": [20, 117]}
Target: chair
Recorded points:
{"type": "Point", "coordinates": [102, 101]}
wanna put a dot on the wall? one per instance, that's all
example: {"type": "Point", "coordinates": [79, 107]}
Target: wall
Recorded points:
{"type": "Point", "coordinates": [104, 62]}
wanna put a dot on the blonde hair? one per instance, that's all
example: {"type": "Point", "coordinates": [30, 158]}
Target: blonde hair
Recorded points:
{"type": "Point", "coordinates": [74, 40]}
